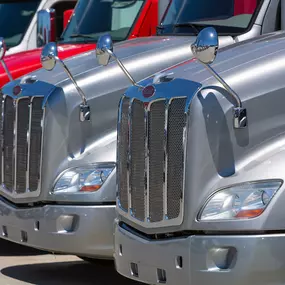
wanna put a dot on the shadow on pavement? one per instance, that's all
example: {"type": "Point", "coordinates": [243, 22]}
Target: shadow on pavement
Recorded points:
{"type": "Point", "coordinates": [8, 248]}
{"type": "Point", "coordinates": [70, 273]}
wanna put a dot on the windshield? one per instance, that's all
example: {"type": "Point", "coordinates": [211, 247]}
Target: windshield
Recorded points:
{"type": "Point", "coordinates": [227, 16]}
{"type": "Point", "coordinates": [15, 17]}
{"type": "Point", "coordinates": [95, 17]}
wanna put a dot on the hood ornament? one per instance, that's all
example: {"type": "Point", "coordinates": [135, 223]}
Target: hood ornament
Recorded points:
{"type": "Point", "coordinates": [17, 90]}
{"type": "Point", "coordinates": [205, 50]}
{"type": "Point", "coordinates": [148, 91]}
{"type": "Point", "coordinates": [49, 58]}
{"type": "Point", "coordinates": [104, 52]}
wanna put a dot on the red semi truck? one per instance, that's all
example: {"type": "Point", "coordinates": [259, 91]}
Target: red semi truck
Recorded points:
{"type": "Point", "coordinates": [122, 19]}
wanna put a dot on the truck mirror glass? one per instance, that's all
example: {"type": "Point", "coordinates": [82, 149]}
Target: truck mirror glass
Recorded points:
{"type": "Point", "coordinates": [206, 46]}
{"type": "Point", "coordinates": [46, 29]}
{"type": "Point", "coordinates": [2, 48]}
{"type": "Point", "coordinates": [49, 56]}
{"type": "Point", "coordinates": [104, 49]}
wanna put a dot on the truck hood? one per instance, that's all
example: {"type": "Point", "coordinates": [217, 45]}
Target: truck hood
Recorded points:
{"type": "Point", "coordinates": [25, 62]}
{"type": "Point", "coordinates": [236, 61]}
{"type": "Point", "coordinates": [126, 51]}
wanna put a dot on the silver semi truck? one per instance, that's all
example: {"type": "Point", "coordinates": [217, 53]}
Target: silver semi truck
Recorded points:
{"type": "Point", "coordinates": [201, 181]}
{"type": "Point", "coordinates": [58, 160]}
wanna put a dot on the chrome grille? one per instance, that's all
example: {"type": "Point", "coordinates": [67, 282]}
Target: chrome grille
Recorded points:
{"type": "Point", "coordinates": [151, 159]}
{"type": "Point", "coordinates": [21, 140]}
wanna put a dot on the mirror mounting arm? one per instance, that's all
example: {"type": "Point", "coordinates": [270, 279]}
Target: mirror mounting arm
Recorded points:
{"type": "Point", "coordinates": [123, 68]}
{"type": "Point", "coordinates": [6, 70]}
{"type": "Point", "coordinates": [240, 118]}
{"type": "Point", "coordinates": [84, 106]}
{"type": "Point", "coordinates": [225, 85]}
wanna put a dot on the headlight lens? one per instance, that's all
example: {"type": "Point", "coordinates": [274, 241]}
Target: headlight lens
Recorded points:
{"type": "Point", "coordinates": [242, 201]}
{"type": "Point", "coordinates": [83, 179]}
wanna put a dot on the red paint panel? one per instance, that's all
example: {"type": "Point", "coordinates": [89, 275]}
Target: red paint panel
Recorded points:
{"type": "Point", "coordinates": [66, 16]}
{"type": "Point", "coordinates": [244, 7]}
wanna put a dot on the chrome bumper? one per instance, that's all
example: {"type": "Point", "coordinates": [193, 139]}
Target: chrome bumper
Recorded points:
{"type": "Point", "coordinates": [198, 260]}
{"type": "Point", "coordinates": [79, 230]}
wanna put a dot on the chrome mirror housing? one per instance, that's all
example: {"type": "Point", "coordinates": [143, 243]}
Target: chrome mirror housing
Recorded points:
{"type": "Point", "coordinates": [3, 50]}
{"type": "Point", "coordinates": [104, 49]}
{"type": "Point", "coordinates": [45, 27]}
{"type": "Point", "coordinates": [205, 49]}
{"type": "Point", "coordinates": [49, 58]}
{"type": "Point", "coordinates": [206, 46]}
{"type": "Point", "coordinates": [104, 52]}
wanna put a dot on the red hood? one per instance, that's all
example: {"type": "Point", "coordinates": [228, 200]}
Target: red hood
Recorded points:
{"type": "Point", "coordinates": [25, 62]}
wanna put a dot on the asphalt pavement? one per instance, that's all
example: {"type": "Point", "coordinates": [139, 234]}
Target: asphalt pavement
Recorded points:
{"type": "Point", "coordinates": [22, 265]}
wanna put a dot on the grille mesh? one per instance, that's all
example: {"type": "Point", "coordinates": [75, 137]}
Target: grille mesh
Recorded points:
{"type": "Point", "coordinates": [156, 160]}
{"type": "Point", "coordinates": [36, 143]}
{"type": "Point", "coordinates": [146, 154]}
{"type": "Point", "coordinates": [137, 166]}
{"type": "Point", "coordinates": [8, 141]}
{"type": "Point", "coordinates": [21, 148]}
{"type": "Point", "coordinates": [176, 124]}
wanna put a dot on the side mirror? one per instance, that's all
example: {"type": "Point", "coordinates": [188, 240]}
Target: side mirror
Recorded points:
{"type": "Point", "coordinates": [206, 46]}
{"type": "Point", "coordinates": [3, 50]}
{"type": "Point", "coordinates": [66, 17]}
{"type": "Point", "coordinates": [205, 50]}
{"type": "Point", "coordinates": [46, 28]}
{"type": "Point", "coordinates": [49, 58]}
{"type": "Point", "coordinates": [104, 49]}
{"type": "Point", "coordinates": [104, 52]}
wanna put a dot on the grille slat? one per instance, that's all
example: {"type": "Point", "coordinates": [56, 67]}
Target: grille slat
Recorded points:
{"type": "Point", "coordinates": [8, 143]}
{"type": "Point", "coordinates": [22, 149]}
{"type": "Point", "coordinates": [137, 154]}
{"type": "Point", "coordinates": [175, 165]}
{"type": "Point", "coordinates": [156, 156]}
{"type": "Point", "coordinates": [35, 144]}
{"type": "Point", "coordinates": [156, 160]}
{"type": "Point", "coordinates": [21, 141]}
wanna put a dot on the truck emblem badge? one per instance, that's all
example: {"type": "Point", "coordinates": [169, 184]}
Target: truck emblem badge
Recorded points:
{"type": "Point", "coordinates": [148, 91]}
{"type": "Point", "coordinates": [17, 90]}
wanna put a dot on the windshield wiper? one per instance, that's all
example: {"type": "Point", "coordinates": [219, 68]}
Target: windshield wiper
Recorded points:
{"type": "Point", "coordinates": [80, 36]}
{"type": "Point", "coordinates": [194, 26]}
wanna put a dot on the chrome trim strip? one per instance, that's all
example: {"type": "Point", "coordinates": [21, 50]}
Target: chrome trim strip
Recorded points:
{"type": "Point", "coordinates": [15, 143]}
{"type": "Point", "coordinates": [42, 147]}
{"type": "Point", "coordinates": [146, 168]}
{"type": "Point", "coordinates": [29, 145]}
{"type": "Point", "coordinates": [129, 158]}
{"type": "Point", "coordinates": [117, 154]}
{"type": "Point", "coordinates": [2, 140]}
{"type": "Point", "coordinates": [167, 104]}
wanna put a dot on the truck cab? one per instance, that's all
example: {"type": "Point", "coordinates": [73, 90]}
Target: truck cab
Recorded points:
{"type": "Point", "coordinates": [59, 135]}
{"type": "Point", "coordinates": [18, 21]}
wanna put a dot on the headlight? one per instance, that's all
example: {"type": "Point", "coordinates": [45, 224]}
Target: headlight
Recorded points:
{"type": "Point", "coordinates": [83, 179]}
{"type": "Point", "coordinates": [244, 201]}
